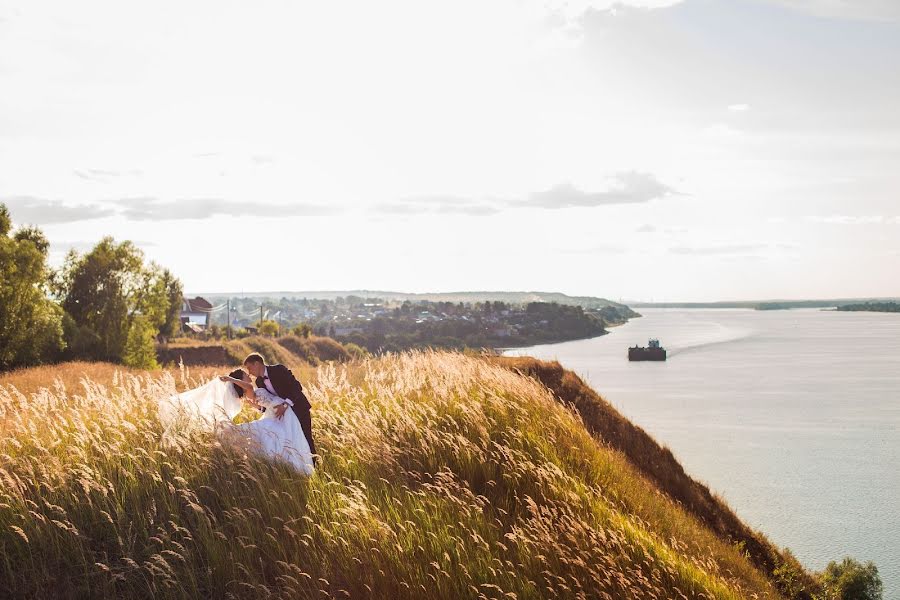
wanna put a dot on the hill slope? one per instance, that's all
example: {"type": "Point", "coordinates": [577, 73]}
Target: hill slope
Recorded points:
{"type": "Point", "coordinates": [442, 475]}
{"type": "Point", "coordinates": [658, 464]}
{"type": "Point", "coordinates": [288, 350]}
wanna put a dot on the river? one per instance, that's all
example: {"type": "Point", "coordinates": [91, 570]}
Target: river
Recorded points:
{"type": "Point", "coordinates": [793, 417]}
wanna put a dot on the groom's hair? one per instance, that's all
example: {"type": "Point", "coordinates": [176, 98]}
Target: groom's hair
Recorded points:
{"type": "Point", "coordinates": [238, 374]}
{"type": "Point", "coordinates": [256, 357]}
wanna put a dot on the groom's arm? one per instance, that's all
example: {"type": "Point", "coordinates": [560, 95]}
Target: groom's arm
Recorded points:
{"type": "Point", "coordinates": [295, 389]}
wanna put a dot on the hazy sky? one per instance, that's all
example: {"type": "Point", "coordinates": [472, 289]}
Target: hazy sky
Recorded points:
{"type": "Point", "coordinates": [666, 150]}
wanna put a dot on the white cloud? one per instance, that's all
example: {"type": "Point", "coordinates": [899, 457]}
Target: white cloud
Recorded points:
{"type": "Point", "coordinates": [42, 211]}
{"type": "Point", "coordinates": [625, 188]}
{"type": "Point", "coordinates": [577, 8]}
{"type": "Point", "coordinates": [629, 187]}
{"type": "Point", "coordinates": [879, 10]}
{"type": "Point", "coordinates": [876, 10]}
{"type": "Point", "coordinates": [563, 18]}
{"type": "Point", "coordinates": [739, 107]}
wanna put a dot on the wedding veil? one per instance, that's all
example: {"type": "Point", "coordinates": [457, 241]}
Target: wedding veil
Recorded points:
{"type": "Point", "coordinates": [206, 407]}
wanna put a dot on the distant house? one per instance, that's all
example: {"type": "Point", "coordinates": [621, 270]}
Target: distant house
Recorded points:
{"type": "Point", "coordinates": [195, 314]}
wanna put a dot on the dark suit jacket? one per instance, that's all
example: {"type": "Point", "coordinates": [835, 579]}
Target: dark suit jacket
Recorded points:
{"type": "Point", "coordinates": [286, 386]}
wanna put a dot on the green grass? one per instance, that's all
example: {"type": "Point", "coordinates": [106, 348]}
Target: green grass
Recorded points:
{"type": "Point", "coordinates": [442, 476]}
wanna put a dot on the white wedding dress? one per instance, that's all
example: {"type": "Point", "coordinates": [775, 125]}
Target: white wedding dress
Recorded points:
{"type": "Point", "coordinates": [214, 405]}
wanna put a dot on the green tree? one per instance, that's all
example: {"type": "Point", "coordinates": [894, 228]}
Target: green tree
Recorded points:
{"type": "Point", "coordinates": [140, 351]}
{"type": "Point", "coordinates": [5, 221]}
{"type": "Point", "coordinates": [269, 328]}
{"type": "Point", "coordinates": [851, 580]}
{"type": "Point", "coordinates": [31, 328]}
{"type": "Point", "coordinates": [106, 290]}
{"type": "Point", "coordinates": [170, 288]}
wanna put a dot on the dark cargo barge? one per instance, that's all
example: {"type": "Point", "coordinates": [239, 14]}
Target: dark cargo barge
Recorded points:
{"type": "Point", "coordinates": [653, 351]}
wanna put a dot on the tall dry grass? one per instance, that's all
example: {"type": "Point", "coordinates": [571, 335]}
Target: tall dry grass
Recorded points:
{"type": "Point", "coordinates": [659, 465]}
{"type": "Point", "coordinates": [442, 476]}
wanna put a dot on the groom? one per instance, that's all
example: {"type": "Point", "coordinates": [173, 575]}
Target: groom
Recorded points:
{"type": "Point", "coordinates": [279, 380]}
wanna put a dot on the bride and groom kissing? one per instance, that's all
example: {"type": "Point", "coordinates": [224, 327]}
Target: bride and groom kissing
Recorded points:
{"type": "Point", "coordinates": [283, 432]}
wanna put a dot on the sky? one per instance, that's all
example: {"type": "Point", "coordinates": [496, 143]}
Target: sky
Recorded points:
{"type": "Point", "coordinates": [646, 150]}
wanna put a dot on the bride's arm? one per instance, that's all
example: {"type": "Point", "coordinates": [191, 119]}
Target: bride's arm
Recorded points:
{"type": "Point", "coordinates": [249, 392]}
{"type": "Point", "coordinates": [247, 387]}
{"type": "Point", "coordinates": [270, 400]}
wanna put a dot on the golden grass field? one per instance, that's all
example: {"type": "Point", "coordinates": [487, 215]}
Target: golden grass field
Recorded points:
{"type": "Point", "coordinates": [442, 476]}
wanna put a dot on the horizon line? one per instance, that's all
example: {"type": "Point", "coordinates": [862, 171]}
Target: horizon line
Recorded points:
{"type": "Point", "coordinates": [352, 291]}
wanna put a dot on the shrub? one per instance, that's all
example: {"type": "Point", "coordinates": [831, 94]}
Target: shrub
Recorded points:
{"type": "Point", "coordinates": [269, 328]}
{"type": "Point", "coordinates": [789, 576]}
{"type": "Point", "coordinates": [356, 352]}
{"type": "Point", "coordinates": [302, 330]}
{"type": "Point", "coordinates": [851, 580]}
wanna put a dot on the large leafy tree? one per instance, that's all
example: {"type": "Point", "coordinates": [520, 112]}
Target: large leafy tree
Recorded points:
{"type": "Point", "coordinates": [115, 301]}
{"type": "Point", "coordinates": [30, 323]}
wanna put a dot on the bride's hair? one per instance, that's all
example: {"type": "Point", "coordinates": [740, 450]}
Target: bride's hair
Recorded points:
{"type": "Point", "coordinates": [238, 374]}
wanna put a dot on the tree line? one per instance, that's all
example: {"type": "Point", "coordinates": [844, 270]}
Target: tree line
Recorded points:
{"type": "Point", "coordinates": [489, 324]}
{"type": "Point", "coordinates": [106, 304]}
{"type": "Point", "coordinates": [871, 307]}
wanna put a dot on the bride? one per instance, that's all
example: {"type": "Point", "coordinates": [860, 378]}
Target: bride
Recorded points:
{"type": "Point", "coordinates": [219, 401]}
{"type": "Point", "coordinates": [277, 437]}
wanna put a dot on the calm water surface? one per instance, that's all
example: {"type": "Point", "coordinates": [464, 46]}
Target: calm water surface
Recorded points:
{"type": "Point", "coordinates": [792, 416]}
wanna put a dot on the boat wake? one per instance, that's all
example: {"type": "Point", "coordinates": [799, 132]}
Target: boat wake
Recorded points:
{"type": "Point", "coordinates": [724, 337]}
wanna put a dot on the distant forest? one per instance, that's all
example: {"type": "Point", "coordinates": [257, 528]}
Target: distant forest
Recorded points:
{"type": "Point", "coordinates": [872, 307]}
{"type": "Point", "coordinates": [770, 304]}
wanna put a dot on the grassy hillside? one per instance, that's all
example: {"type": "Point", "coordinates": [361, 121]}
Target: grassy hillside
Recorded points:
{"type": "Point", "coordinates": [658, 464]}
{"type": "Point", "coordinates": [442, 476]}
{"type": "Point", "coordinates": [288, 350]}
